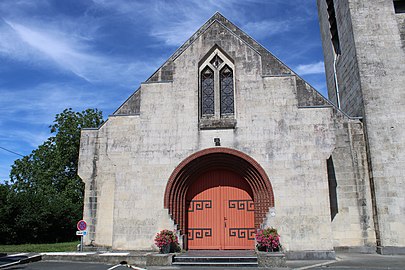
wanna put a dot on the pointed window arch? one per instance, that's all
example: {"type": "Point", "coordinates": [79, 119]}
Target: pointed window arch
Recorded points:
{"type": "Point", "coordinates": [217, 90]}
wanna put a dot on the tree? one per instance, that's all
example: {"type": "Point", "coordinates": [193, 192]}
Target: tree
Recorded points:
{"type": "Point", "coordinates": [44, 198]}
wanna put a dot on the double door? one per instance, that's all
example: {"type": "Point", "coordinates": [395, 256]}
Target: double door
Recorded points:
{"type": "Point", "coordinates": [220, 212]}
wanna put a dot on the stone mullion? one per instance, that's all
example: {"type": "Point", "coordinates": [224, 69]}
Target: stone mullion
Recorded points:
{"type": "Point", "coordinates": [217, 94]}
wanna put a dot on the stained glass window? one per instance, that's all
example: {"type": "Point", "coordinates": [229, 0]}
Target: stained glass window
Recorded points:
{"type": "Point", "coordinates": [226, 91]}
{"type": "Point", "coordinates": [207, 92]}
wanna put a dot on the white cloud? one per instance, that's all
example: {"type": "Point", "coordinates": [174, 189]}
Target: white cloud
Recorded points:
{"type": "Point", "coordinates": [50, 46]}
{"type": "Point", "coordinates": [11, 45]}
{"type": "Point", "coordinates": [56, 46]}
{"type": "Point", "coordinates": [173, 22]}
{"type": "Point", "coordinates": [25, 115]}
{"type": "Point", "coordinates": [38, 105]}
{"type": "Point", "coordinates": [266, 28]}
{"type": "Point", "coordinates": [315, 68]}
{"type": "Point", "coordinates": [30, 139]}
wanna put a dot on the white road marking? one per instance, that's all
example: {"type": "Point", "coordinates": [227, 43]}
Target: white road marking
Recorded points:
{"type": "Point", "coordinates": [115, 266]}
{"type": "Point", "coordinates": [114, 254]}
{"type": "Point", "coordinates": [316, 265]}
{"type": "Point", "coordinates": [19, 254]}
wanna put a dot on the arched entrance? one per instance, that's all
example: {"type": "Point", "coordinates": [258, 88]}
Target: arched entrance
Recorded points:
{"type": "Point", "coordinates": [243, 180]}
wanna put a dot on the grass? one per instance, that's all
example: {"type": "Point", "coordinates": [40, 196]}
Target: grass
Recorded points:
{"type": "Point", "coordinates": [57, 247]}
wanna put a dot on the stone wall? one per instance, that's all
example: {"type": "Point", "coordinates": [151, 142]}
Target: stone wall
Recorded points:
{"type": "Point", "coordinates": [353, 224]}
{"type": "Point", "coordinates": [401, 27]}
{"type": "Point", "coordinates": [381, 67]}
{"type": "Point", "coordinates": [376, 64]}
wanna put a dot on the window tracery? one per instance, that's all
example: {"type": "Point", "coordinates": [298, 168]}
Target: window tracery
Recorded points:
{"type": "Point", "coordinates": [216, 61]}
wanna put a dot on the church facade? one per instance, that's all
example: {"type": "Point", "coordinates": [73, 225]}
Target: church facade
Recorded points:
{"type": "Point", "coordinates": [224, 139]}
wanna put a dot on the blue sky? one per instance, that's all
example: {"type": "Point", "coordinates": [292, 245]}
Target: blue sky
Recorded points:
{"type": "Point", "coordinates": [94, 53]}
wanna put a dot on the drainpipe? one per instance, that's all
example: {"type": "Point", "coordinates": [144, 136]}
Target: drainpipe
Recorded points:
{"type": "Point", "coordinates": [335, 58]}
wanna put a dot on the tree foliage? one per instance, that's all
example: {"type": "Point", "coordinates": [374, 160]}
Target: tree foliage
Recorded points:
{"type": "Point", "coordinates": [44, 198]}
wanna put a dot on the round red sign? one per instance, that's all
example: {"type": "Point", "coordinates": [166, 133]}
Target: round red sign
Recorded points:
{"type": "Point", "coordinates": [81, 225]}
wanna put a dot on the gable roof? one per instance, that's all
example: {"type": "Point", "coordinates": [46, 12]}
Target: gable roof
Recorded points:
{"type": "Point", "coordinates": [271, 66]}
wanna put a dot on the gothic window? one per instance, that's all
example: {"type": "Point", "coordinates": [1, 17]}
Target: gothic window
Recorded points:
{"type": "Point", "coordinates": [226, 85]}
{"type": "Point", "coordinates": [207, 92]}
{"type": "Point", "coordinates": [217, 91]}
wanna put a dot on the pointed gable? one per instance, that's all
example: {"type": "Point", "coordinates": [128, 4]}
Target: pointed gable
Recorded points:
{"type": "Point", "coordinates": [271, 65]}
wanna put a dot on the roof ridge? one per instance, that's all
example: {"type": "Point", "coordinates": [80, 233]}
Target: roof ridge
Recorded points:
{"type": "Point", "coordinates": [188, 42]}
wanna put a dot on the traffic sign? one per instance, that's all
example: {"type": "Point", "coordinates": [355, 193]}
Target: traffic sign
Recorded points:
{"type": "Point", "coordinates": [81, 233]}
{"type": "Point", "coordinates": [81, 225]}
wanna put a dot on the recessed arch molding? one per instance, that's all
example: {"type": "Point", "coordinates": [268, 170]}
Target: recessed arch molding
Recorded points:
{"type": "Point", "coordinates": [190, 168]}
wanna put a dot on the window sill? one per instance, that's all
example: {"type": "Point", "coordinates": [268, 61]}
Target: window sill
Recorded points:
{"type": "Point", "coordinates": [225, 123]}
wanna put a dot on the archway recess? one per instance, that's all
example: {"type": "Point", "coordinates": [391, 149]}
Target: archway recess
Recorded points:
{"type": "Point", "coordinates": [189, 169]}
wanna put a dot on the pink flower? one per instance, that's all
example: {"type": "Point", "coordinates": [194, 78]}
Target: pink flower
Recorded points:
{"type": "Point", "coordinates": [166, 237]}
{"type": "Point", "coordinates": [268, 239]}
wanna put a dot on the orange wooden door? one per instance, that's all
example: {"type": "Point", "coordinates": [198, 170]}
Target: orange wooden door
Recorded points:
{"type": "Point", "coordinates": [204, 224]}
{"type": "Point", "coordinates": [239, 226]}
{"type": "Point", "coordinates": [220, 212]}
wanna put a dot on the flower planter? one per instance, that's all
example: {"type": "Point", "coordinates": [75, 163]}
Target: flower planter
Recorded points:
{"type": "Point", "coordinates": [271, 259]}
{"type": "Point", "coordinates": [165, 249]}
{"type": "Point", "coordinates": [268, 240]}
{"type": "Point", "coordinates": [167, 241]}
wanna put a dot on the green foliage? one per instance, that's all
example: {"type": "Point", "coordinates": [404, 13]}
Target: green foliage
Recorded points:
{"type": "Point", "coordinates": [58, 247]}
{"type": "Point", "coordinates": [44, 198]}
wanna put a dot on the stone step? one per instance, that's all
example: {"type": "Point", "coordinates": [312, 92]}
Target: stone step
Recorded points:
{"type": "Point", "coordinates": [219, 264]}
{"type": "Point", "coordinates": [215, 261]}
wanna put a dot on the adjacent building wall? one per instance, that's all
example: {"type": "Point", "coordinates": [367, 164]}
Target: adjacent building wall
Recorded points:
{"type": "Point", "coordinates": [377, 40]}
{"type": "Point", "coordinates": [348, 78]}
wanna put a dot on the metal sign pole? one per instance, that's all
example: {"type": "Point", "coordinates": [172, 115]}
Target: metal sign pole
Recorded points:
{"type": "Point", "coordinates": [81, 226]}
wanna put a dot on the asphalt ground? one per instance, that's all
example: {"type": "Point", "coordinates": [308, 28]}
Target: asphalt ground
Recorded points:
{"type": "Point", "coordinates": [44, 265]}
{"type": "Point", "coordinates": [345, 261]}
{"type": "Point", "coordinates": [366, 261]}
{"type": "Point", "coordinates": [13, 259]}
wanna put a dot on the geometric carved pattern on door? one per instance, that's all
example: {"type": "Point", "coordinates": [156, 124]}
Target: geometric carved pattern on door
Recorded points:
{"type": "Point", "coordinates": [220, 212]}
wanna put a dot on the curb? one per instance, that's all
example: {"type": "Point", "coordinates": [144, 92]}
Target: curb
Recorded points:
{"type": "Point", "coordinates": [33, 258]}
{"type": "Point", "coordinates": [319, 264]}
{"type": "Point", "coordinates": [124, 258]}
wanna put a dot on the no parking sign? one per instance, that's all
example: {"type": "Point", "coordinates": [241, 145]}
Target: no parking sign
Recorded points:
{"type": "Point", "coordinates": [81, 225]}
